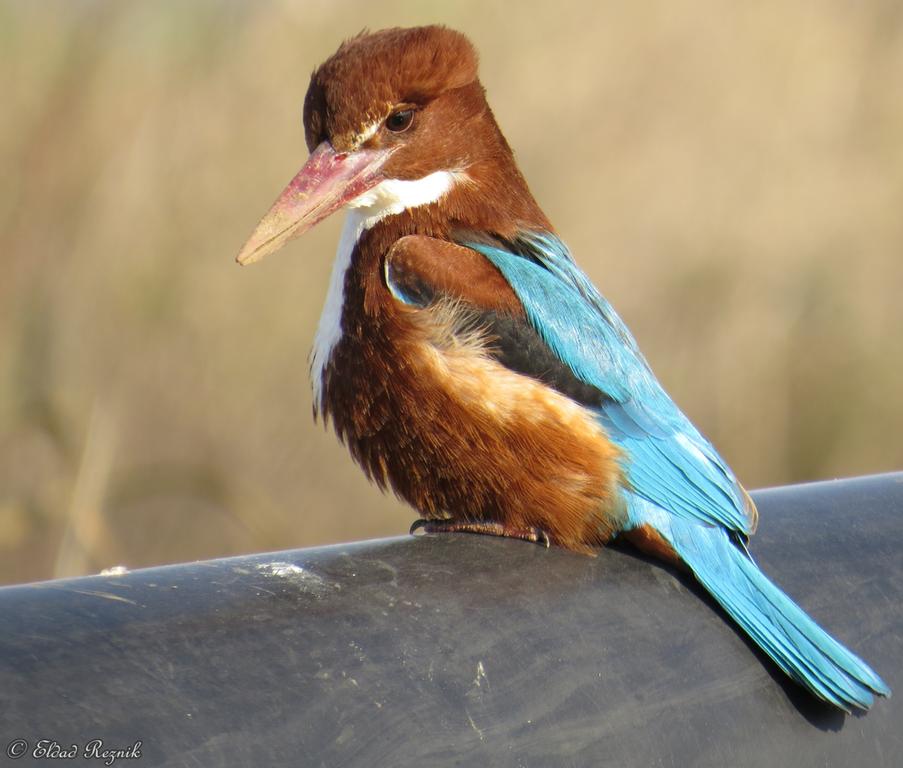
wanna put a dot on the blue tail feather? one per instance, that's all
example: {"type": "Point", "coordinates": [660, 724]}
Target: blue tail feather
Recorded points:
{"type": "Point", "coordinates": [800, 647]}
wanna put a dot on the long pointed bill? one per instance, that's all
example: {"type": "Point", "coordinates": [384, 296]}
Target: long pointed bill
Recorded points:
{"type": "Point", "coordinates": [327, 181]}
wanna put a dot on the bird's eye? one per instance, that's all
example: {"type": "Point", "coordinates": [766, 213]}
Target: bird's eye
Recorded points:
{"type": "Point", "coordinates": [400, 121]}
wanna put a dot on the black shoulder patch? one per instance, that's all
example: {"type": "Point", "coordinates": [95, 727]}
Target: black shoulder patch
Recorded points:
{"type": "Point", "coordinates": [518, 346]}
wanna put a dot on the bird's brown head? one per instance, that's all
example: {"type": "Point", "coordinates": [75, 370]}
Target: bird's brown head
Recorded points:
{"type": "Point", "coordinates": [400, 105]}
{"type": "Point", "coordinates": [393, 120]}
{"type": "Point", "coordinates": [397, 90]}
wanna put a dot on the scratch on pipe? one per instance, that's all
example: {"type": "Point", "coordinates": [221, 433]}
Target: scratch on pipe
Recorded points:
{"type": "Point", "coordinates": [481, 675]}
{"type": "Point", "coordinates": [473, 725]}
{"type": "Point", "coordinates": [104, 595]}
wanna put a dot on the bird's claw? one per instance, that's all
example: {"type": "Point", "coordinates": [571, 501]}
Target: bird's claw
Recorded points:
{"type": "Point", "coordinates": [530, 533]}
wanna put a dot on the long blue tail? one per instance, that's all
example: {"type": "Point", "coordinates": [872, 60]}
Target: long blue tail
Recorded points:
{"type": "Point", "coordinates": [781, 628]}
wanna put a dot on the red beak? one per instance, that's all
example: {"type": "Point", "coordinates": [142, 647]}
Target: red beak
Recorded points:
{"type": "Point", "coordinates": [328, 181]}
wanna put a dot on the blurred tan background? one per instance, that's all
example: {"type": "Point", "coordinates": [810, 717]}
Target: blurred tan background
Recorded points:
{"type": "Point", "coordinates": [730, 174]}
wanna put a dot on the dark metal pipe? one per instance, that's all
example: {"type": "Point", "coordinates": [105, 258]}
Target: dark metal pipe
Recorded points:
{"type": "Point", "coordinates": [459, 650]}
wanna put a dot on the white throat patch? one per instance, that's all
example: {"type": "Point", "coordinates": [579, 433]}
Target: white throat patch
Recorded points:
{"type": "Point", "coordinates": [387, 198]}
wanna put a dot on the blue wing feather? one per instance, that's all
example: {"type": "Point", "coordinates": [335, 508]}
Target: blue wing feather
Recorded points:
{"type": "Point", "coordinates": [668, 461]}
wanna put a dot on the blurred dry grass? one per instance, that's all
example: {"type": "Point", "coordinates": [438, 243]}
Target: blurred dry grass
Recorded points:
{"type": "Point", "coordinates": [731, 175]}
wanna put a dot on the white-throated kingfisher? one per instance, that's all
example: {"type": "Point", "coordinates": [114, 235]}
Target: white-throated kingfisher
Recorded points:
{"type": "Point", "coordinates": [471, 366]}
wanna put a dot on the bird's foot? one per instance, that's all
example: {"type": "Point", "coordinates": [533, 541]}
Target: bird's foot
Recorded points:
{"type": "Point", "coordinates": [529, 533]}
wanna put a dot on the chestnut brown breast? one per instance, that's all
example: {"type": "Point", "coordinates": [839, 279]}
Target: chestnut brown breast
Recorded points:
{"type": "Point", "coordinates": [425, 410]}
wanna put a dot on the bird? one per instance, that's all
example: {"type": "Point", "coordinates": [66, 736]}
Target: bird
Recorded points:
{"type": "Point", "coordinates": [470, 366]}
